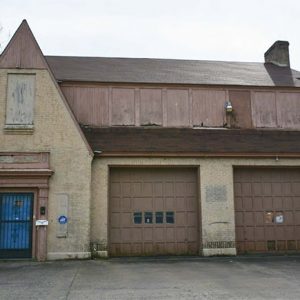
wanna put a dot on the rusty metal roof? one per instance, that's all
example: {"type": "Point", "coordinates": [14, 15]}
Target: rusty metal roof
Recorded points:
{"type": "Point", "coordinates": [171, 71]}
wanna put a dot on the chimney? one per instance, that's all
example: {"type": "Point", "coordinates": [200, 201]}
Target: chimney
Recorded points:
{"type": "Point", "coordinates": [278, 54]}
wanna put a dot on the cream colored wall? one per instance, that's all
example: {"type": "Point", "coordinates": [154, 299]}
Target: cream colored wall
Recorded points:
{"type": "Point", "coordinates": [55, 131]}
{"type": "Point", "coordinates": [217, 216]}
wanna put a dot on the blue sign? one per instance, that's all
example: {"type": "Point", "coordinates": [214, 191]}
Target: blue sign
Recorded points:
{"type": "Point", "coordinates": [62, 220]}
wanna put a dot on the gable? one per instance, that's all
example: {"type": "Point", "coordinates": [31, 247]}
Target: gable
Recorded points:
{"type": "Point", "coordinates": [23, 51]}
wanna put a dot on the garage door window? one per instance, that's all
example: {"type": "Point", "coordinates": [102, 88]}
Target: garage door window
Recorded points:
{"type": "Point", "coordinates": [159, 217]}
{"type": "Point", "coordinates": [148, 217]}
{"type": "Point", "coordinates": [137, 218]}
{"type": "Point", "coordinates": [170, 219]}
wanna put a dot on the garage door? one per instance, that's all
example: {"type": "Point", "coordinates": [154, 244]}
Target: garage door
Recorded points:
{"type": "Point", "coordinates": [267, 210]}
{"type": "Point", "coordinates": [153, 212]}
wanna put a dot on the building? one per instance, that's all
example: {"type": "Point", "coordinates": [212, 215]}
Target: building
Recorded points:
{"type": "Point", "coordinates": [119, 156]}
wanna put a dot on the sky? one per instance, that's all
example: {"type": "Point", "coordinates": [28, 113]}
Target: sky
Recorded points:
{"type": "Point", "coordinates": [226, 30]}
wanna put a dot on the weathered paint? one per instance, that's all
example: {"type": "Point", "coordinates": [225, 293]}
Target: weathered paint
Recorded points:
{"type": "Point", "coordinates": [55, 132]}
{"type": "Point", "coordinates": [217, 213]}
{"type": "Point", "coordinates": [264, 109]}
{"type": "Point", "coordinates": [241, 103]}
{"type": "Point", "coordinates": [107, 105]}
{"type": "Point", "coordinates": [15, 56]}
{"type": "Point", "coordinates": [20, 99]}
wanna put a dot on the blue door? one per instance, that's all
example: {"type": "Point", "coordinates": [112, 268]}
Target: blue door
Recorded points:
{"type": "Point", "coordinates": [16, 225]}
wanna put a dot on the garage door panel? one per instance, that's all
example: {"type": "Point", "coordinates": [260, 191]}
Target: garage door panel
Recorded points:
{"type": "Point", "coordinates": [297, 202]}
{"type": "Point", "coordinates": [288, 203]}
{"type": "Point", "coordinates": [115, 219]}
{"type": "Point", "coordinates": [157, 189]}
{"type": "Point", "coordinates": [181, 219]}
{"type": "Point", "coordinates": [268, 203]}
{"type": "Point", "coordinates": [180, 189]}
{"type": "Point", "coordinates": [240, 234]}
{"type": "Point", "coordinates": [249, 233]}
{"type": "Point", "coordinates": [159, 234]}
{"type": "Point", "coordinates": [247, 203]}
{"type": "Point", "coordinates": [296, 188]}
{"type": "Point", "coordinates": [180, 204]}
{"type": "Point", "coordinates": [274, 193]}
{"type": "Point", "coordinates": [192, 234]}
{"type": "Point", "coordinates": [277, 203]}
{"type": "Point", "coordinates": [169, 189]}
{"type": "Point", "coordinates": [280, 233]}
{"type": "Point", "coordinates": [191, 218]}
{"type": "Point", "coordinates": [147, 189]}
{"type": "Point", "coordinates": [267, 189]}
{"type": "Point", "coordinates": [153, 192]}
{"type": "Point", "coordinates": [148, 234]}
{"type": "Point", "coordinates": [125, 189]}
{"type": "Point", "coordinates": [170, 203]}
{"type": "Point", "coordinates": [159, 204]}
{"type": "Point", "coordinates": [126, 219]}
{"type": "Point", "coordinates": [115, 189]}
{"type": "Point", "coordinates": [115, 235]}
{"type": "Point", "coordinates": [258, 203]}
{"type": "Point", "coordinates": [125, 204]}
{"type": "Point", "coordinates": [191, 203]}
{"type": "Point", "coordinates": [259, 233]}
{"type": "Point", "coordinates": [259, 218]}
{"type": "Point", "coordinates": [115, 204]}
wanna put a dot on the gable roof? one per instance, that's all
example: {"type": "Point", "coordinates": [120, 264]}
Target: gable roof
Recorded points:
{"type": "Point", "coordinates": [183, 141]}
{"type": "Point", "coordinates": [23, 51]}
{"type": "Point", "coordinates": [171, 71]}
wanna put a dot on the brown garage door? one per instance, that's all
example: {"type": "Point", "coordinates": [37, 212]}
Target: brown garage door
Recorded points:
{"type": "Point", "coordinates": [267, 210]}
{"type": "Point", "coordinates": [153, 212]}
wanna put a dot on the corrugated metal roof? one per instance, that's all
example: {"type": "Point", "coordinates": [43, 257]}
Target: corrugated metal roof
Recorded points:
{"type": "Point", "coordinates": [187, 140]}
{"type": "Point", "coordinates": [171, 71]}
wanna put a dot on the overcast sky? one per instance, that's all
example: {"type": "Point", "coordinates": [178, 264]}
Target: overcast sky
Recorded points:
{"type": "Point", "coordinates": [234, 30]}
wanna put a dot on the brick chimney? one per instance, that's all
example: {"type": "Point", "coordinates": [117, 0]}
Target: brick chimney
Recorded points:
{"type": "Point", "coordinates": [278, 54]}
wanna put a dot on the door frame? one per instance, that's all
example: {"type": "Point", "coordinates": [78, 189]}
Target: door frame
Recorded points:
{"type": "Point", "coordinates": [34, 213]}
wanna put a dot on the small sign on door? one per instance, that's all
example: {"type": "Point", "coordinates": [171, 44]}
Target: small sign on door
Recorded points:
{"type": "Point", "coordinates": [279, 218]}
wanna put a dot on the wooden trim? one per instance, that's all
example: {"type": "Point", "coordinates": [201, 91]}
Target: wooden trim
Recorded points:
{"type": "Point", "coordinates": [63, 83]}
{"type": "Point", "coordinates": [198, 154]}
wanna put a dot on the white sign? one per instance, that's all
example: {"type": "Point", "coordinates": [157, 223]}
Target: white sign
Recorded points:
{"type": "Point", "coordinates": [279, 219]}
{"type": "Point", "coordinates": [41, 223]}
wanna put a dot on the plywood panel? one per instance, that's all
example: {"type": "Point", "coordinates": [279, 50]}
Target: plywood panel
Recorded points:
{"type": "Point", "coordinates": [122, 105]}
{"type": "Point", "coordinates": [23, 51]}
{"type": "Point", "coordinates": [20, 99]}
{"type": "Point", "coordinates": [241, 103]}
{"type": "Point", "coordinates": [177, 107]}
{"type": "Point", "coordinates": [264, 109]}
{"type": "Point", "coordinates": [89, 104]}
{"type": "Point", "coordinates": [208, 107]}
{"type": "Point", "coordinates": [288, 110]}
{"type": "Point", "coordinates": [151, 110]}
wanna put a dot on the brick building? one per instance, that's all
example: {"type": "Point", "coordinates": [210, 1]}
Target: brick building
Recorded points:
{"type": "Point", "coordinates": [120, 156]}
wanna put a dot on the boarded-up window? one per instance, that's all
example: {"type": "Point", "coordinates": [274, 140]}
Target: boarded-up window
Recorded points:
{"type": "Point", "coordinates": [20, 99]}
